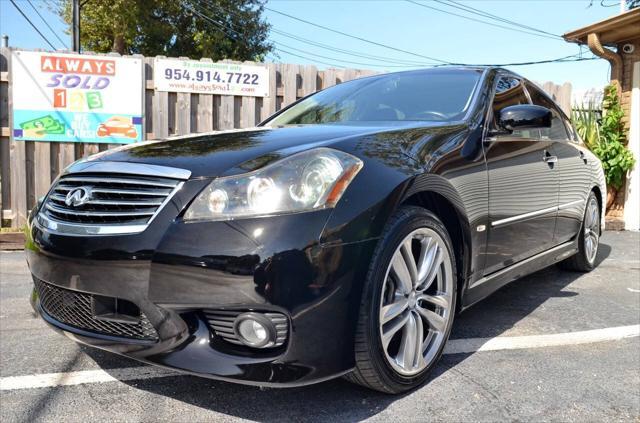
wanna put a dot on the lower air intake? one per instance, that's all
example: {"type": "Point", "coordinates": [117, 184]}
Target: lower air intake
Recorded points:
{"type": "Point", "coordinates": [76, 309]}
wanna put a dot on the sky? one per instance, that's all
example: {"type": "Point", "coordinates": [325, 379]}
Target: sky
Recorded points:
{"type": "Point", "coordinates": [402, 25]}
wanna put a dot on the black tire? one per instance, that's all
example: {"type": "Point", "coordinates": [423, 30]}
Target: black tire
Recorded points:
{"type": "Point", "coordinates": [580, 261]}
{"type": "Point", "coordinates": [372, 367]}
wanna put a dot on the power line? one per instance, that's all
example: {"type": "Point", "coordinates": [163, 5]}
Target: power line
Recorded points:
{"type": "Point", "coordinates": [230, 28]}
{"type": "Point", "coordinates": [349, 52]}
{"type": "Point", "coordinates": [479, 20]}
{"type": "Point", "coordinates": [570, 58]}
{"type": "Point", "coordinates": [473, 10]}
{"type": "Point", "coordinates": [32, 25]}
{"type": "Point", "coordinates": [565, 59]}
{"type": "Point", "coordinates": [360, 38]}
{"type": "Point", "coordinates": [392, 61]}
{"type": "Point", "coordinates": [210, 21]}
{"type": "Point", "coordinates": [395, 63]}
{"type": "Point", "coordinates": [220, 26]}
{"type": "Point", "coordinates": [47, 24]}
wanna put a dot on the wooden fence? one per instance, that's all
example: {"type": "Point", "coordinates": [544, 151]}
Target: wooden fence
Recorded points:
{"type": "Point", "coordinates": [27, 168]}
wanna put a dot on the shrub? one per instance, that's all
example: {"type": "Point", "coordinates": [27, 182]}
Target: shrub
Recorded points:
{"type": "Point", "coordinates": [605, 137]}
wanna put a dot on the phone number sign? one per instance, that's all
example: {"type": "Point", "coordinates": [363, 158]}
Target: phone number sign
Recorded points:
{"type": "Point", "coordinates": [76, 98]}
{"type": "Point", "coordinates": [192, 76]}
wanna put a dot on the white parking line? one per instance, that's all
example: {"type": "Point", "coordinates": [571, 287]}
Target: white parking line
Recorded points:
{"type": "Point", "coordinates": [454, 346]}
{"type": "Point", "coordinates": [47, 380]}
{"type": "Point", "coordinates": [470, 345]}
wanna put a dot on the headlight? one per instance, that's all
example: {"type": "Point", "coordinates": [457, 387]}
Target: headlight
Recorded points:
{"type": "Point", "coordinates": [310, 180]}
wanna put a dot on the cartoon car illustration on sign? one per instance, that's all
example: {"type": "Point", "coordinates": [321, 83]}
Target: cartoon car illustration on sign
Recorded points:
{"type": "Point", "coordinates": [118, 126]}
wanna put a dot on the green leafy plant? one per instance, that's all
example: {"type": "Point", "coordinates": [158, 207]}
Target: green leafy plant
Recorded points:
{"type": "Point", "coordinates": [586, 120]}
{"type": "Point", "coordinates": [605, 137]}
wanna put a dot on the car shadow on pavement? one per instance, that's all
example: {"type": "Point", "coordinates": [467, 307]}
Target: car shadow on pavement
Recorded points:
{"type": "Point", "coordinates": [339, 400]}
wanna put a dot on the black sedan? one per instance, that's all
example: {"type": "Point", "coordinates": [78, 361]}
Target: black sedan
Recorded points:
{"type": "Point", "coordinates": [340, 237]}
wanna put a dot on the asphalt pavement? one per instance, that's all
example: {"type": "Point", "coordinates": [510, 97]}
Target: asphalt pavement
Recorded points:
{"type": "Point", "coordinates": [553, 346]}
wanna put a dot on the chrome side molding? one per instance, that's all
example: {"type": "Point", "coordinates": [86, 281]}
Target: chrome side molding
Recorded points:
{"type": "Point", "coordinates": [536, 213]}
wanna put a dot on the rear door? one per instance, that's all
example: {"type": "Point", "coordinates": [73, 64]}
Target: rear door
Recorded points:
{"type": "Point", "coordinates": [523, 186]}
{"type": "Point", "coordinates": [573, 168]}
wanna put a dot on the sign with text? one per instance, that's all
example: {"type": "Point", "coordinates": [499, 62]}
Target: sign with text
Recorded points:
{"type": "Point", "coordinates": [76, 98]}
{"type": "Point", "coordinates": [192, 76]}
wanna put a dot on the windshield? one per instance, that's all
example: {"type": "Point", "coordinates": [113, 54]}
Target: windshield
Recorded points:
{"type": "Point", "coordinates": [409, 96]}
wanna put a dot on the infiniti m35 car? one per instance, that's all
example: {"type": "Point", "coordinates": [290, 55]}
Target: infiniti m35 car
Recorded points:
{"type": "Point", "coordinates": [339, 237]}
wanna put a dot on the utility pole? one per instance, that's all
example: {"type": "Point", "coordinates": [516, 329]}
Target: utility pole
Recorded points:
{"type": "Point", "coordinates": [75, 25]}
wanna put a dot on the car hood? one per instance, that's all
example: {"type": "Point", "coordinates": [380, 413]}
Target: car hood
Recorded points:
{"type": "Point", "coordinates": [239, 151]}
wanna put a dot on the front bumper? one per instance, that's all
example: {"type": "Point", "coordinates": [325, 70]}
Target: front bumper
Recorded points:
{"type": "Point", "coordinates": [274, 264]}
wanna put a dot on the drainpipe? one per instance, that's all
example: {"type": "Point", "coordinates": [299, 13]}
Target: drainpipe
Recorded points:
{"type": "Point", "coordinates": [614, 58]}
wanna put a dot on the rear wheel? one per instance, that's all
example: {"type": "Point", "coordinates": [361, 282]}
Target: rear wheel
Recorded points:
{"type": "Point", "coordinates": [408, 303]}
{"type": "Point", "coordinates": [588, 239]}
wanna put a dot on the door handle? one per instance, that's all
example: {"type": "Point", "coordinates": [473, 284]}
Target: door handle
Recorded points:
{"type": "Point", "coordinates": [583, 157]}
{"type": "Point", "coordinates": [548, 158]}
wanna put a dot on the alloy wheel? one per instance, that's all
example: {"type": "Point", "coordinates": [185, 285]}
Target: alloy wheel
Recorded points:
{"type": "Point", "coordinates": [417, 299]}
{"type": "Point", "coordinates": [591, 230]}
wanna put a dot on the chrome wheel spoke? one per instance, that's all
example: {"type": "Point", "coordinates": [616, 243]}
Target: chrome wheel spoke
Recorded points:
{"type": "Point", "coordinates": [432, 267]}
{"type": "Point", "coordinates": [394, 327]}
{"type": "Point", "coordinates": [409, 261]}
{"type": "Point", "coordinates": [435, 321]}
{"type": "Point", "coordinates": [427, 250]}
{"type": "Point", "coordinates": [407, 352]}
{"type": "Point", "coordinates": [438, 300]}
{"type": "Point", "coordinates": [401, 273]}
{"type": "Point", "coordinates": [393, 310]}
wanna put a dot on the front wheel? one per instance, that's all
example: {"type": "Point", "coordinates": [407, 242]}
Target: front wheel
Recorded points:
{"type": "Point", "coordinates": [588, 239]}
{"type": "Point", "coordinates": [408, 303]}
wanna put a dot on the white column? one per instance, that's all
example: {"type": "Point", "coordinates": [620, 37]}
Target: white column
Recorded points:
{"type": "Point", "coordinates": [632, 201]}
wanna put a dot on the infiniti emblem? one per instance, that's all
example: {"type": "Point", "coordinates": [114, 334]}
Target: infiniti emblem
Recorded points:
{"type": "Point", "coordinates": [78, 196]}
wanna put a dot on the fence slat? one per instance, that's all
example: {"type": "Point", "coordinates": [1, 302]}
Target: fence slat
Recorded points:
{"type": "Point", "coordinates": [205, 116]}
{"type": "Point", "coordinates": [42, 164]}
{"type": "Point", "coordinates": [183, 113]}
{"type": "Point", "coordinates": [309, 80]}
{"type": "Point", "coordinates": [269, 103]}
{"type": "Point", "coordinates": [90, 149]}
{"type": "Point", "coordinates": [18, 183]}
{"type": "Point", "coordinates": [227, 112]}
{"type": "Point", "coordinates": [290, 83]}
{"type": "Point", "coordinates": [329, 78]}
{"type": "Point", "coordinates": [147, 62]}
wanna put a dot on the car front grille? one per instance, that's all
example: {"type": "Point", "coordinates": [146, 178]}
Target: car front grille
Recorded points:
{"type": "Point", "coordinates": [112, 199]}
{"type": "Point", "coordinates": [75, 309]}
{"type": "Point", "coordinates": [222, 322]}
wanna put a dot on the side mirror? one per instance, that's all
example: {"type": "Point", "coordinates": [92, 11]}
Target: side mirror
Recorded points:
{"type": "Point", "coordinates": [523, 116]}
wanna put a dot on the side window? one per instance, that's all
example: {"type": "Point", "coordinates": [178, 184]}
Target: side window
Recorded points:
{"type": "Point", "coordinates": [510, 92]}
{"type": "Point", "coordinates": [558, 130]}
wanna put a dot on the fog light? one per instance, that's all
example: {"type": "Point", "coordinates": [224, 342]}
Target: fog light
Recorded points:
{"type": "Point", "coordinates": [255, 330]}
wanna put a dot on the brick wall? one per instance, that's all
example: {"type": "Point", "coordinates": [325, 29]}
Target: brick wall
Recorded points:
{"type": "Point", "coordinates": [617, 209]}
{"type": "Point", "coordinates": [627, 74]}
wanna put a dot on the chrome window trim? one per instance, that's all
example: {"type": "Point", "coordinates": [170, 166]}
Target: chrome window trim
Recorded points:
{"type": "Point", "coordinates": [74, 229]}
{"type": "Point", "coordinates": [87, 166]}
